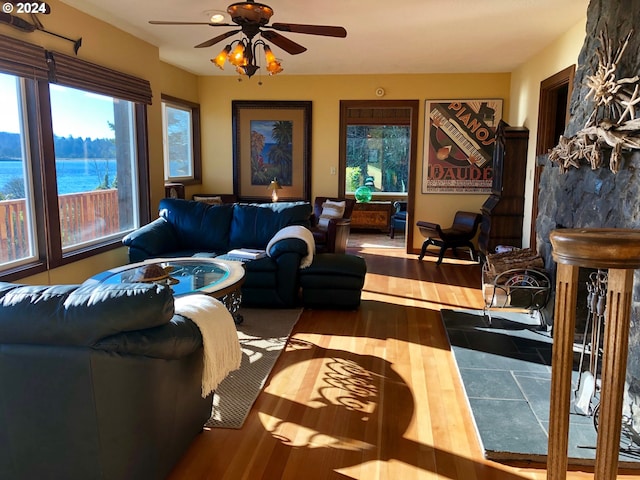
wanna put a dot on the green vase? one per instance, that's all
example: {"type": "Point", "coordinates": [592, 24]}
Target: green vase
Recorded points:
{"type": "Point", "coordinates": [363, 194]}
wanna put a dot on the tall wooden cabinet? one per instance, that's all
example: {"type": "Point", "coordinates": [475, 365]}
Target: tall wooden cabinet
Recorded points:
{"type": "Point", "coordinates": [503, 211]}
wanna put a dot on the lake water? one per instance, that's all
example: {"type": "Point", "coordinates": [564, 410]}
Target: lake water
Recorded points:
{"type": "Point", "coordinates": [74, 175]}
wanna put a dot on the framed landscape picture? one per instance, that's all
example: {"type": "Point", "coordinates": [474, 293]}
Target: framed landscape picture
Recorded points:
{"type": "Point", "coordinates": [458, 145]}
{"type": "Point", "coordinates": [271, 141]}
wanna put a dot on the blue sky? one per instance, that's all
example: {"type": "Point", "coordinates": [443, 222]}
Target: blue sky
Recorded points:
{"type": "Point", "coordinates": [76, 113]}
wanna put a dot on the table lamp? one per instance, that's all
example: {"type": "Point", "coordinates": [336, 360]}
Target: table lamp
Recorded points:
{"type": "Point", "coordinates": [274, 186]}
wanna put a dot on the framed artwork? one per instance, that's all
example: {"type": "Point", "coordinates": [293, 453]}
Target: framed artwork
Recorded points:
{"type": "Point", "coordinates": [458, 145]}
{"type": "Point", "coordinates": [271, 140]}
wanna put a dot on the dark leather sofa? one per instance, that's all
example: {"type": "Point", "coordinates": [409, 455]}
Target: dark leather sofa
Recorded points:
{"type": "Point", "coordinates": [99, 382]}
{"type": "Point", "coordinates": [186, 228]}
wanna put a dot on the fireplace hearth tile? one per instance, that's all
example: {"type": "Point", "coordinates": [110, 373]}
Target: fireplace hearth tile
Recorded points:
{"type": "Point", "coordinates": [495, 417]}
{"type": "Point", "coordinates": [506, 374]}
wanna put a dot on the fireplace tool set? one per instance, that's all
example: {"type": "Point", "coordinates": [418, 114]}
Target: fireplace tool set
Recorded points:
{"type": "Point", "coordinates": [586, 394]}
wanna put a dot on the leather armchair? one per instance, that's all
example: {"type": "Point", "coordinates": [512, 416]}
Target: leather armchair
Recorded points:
{"type": "Point", "coordinates": [332, 239]}
{"type": "Point", "coordinates": [464, 228]}
{"type": "Point", "coordinates": [100, 382]}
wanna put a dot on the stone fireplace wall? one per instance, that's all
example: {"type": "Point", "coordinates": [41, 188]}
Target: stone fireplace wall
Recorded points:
{"type": "Point", "coordinates": [597, 198]}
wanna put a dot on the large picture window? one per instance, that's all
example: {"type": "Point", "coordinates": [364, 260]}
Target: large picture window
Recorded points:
{"type": "Point", "coordinates": [73, 158]}
{"type": "Point", "coordinates": [95, 158]}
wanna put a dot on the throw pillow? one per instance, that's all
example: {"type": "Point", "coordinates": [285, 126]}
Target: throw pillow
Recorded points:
{"type": "Point", "coordinates": [330, 209]}
{"type": "Point", "coordinates": [209, 200]}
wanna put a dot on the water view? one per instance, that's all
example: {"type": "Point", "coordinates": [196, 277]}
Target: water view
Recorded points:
{"type": "Point", "coordinates": [74, 175]}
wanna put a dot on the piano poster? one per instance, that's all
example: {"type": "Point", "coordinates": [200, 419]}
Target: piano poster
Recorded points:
{"type": "Point", "coordinates": [458, 149]}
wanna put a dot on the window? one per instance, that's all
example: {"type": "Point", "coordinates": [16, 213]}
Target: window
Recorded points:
{"type": "Point", "coordinates": [377, 156]}
{"type": "Point", "coordinates": [377, 146]}
{"type": "Point", "coordinates": [73, 158]}
{"type": "Point", "coordinates": [95, 162]}
{"type": "Point", "coordinates": [181, 140]}
{"type": "Point", "coordinates": [17, 219]}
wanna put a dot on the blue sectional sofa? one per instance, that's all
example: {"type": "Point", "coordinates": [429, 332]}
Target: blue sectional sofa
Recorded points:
{"type": "Point", "coordinates": [97, 382]}
{"type": "Point", "coordinates": [187, 228]}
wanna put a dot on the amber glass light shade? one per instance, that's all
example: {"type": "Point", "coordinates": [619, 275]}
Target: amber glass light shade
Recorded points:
{"type": "Point", "coordinates": [237, 57]}
{"type": "Point", "coordinates": [221, 58]}
{"type": "Point", "coordinates": [273, 65]}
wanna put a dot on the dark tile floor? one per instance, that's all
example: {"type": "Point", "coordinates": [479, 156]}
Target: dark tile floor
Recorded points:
{"type": "Point", "coordinates": [506, 372]}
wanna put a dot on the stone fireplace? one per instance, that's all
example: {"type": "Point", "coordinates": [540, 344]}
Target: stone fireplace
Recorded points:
{"type": "Point", "coordinates": [597, 198]}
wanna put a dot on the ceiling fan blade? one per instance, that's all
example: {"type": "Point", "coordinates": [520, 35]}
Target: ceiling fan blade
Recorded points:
{"type": "Point", "coordinates": [162, 22]}
{"type": "Point", "coordinates": [217, 39]}
{"type": "Point", "coordinates": [325, 30]}
{"type": "Point", "coordinates": [284, 43]}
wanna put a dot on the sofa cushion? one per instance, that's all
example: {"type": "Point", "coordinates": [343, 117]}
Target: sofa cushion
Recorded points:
{"type": "Point", "coordinates": [198, 226]}
{"type": "Point", "coordinates": [253, 225]}
{"type": "Point", "coordinates": [72, 315]}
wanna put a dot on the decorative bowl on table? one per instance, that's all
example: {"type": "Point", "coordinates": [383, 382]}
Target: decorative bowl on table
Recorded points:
{"type": "Point", "coordinates": [153, 273]}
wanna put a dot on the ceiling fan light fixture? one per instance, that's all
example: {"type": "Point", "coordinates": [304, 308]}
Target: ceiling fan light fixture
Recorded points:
{"type": "Point", "coordinates": [252, 18]}
{"type": "Point", "coordinates": [248, 70]}
{"type": "Point", "coordinates": [250, 12]}
{"type": "Point", "coordinates": [273, 64]}
{"type": "Point", "coordinates": [237, 57]}
{"type": "Point", "coordinates": [220, 59]}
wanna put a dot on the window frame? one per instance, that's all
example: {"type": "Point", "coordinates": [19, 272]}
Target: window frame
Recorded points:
{"type": "Point", "coordinates": [380, 158]}
{"type": "Point", "coordinates": [82, 75]}
{"type": "Point", "coordinates": [196, 140]}
{"type": "Point", "coordinates": [411, 120]}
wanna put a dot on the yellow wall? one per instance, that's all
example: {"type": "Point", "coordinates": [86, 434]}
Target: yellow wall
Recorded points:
{"type": "Point", "coordinates": [217, 92]}
{"type": "Point", "coordinates": [525, 90]}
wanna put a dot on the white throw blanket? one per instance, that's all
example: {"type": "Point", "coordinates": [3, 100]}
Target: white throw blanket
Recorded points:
{"type": "Point", "coordinates": [296, 231]}
{"type": "Point", "coordinates": [222, 353]}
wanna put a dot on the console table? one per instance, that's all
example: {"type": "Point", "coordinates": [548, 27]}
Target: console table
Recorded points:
{"type": "Point", "coordinates": [372, 215]}
{"type": "Point", "coordinates": [617, 250]}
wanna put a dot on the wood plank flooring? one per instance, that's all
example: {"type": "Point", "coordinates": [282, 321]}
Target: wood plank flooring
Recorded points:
{"type": "Point", "coordinates": [366, 394]}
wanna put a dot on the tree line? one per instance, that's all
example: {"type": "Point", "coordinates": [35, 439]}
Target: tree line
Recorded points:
{"type": "Point", "coordinates": [66, 147]}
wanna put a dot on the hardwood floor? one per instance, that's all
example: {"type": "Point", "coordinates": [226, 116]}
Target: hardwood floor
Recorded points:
{"type": "Point", "coordinates": [366, 394]}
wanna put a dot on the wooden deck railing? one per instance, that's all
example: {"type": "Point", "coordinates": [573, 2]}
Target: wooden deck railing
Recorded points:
{"type": "Point", "coordinates": [83, 217]}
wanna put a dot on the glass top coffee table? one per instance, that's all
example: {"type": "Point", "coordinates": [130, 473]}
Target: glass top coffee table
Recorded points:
{"type": "Point", "coordinates": [221, 279]}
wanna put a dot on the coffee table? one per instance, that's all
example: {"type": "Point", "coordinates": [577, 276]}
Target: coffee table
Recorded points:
{"type": "Point", "coordinates": [221, 279]}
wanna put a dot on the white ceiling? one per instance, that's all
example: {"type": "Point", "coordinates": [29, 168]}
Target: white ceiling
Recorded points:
{"type": "Point", "coordinates": [411, 36]}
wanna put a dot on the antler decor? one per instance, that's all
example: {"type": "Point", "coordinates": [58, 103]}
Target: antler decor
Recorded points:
{"type": "Point", "coordinates": [612, 98]}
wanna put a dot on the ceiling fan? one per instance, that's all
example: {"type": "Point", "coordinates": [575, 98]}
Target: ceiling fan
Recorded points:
{"type": "Point", "coordinates": [253, 19]}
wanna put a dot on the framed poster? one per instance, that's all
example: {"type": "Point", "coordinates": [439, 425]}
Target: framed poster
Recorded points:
{"type": "Point", "coordinates": [271, 140]}
{"type": "Point", "coordinates": [458, 150]}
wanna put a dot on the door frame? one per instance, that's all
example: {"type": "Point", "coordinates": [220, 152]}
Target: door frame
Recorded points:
{"type": "Point", "coordinates": [549, 120]}
{"type": "Point", "coordinates": [414, 106]}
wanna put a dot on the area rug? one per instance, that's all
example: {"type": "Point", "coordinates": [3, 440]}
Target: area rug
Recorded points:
{"type": "Point", "coordinates": [263, 335]}
{"type": "Point", "coordinates": [505, 369]}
